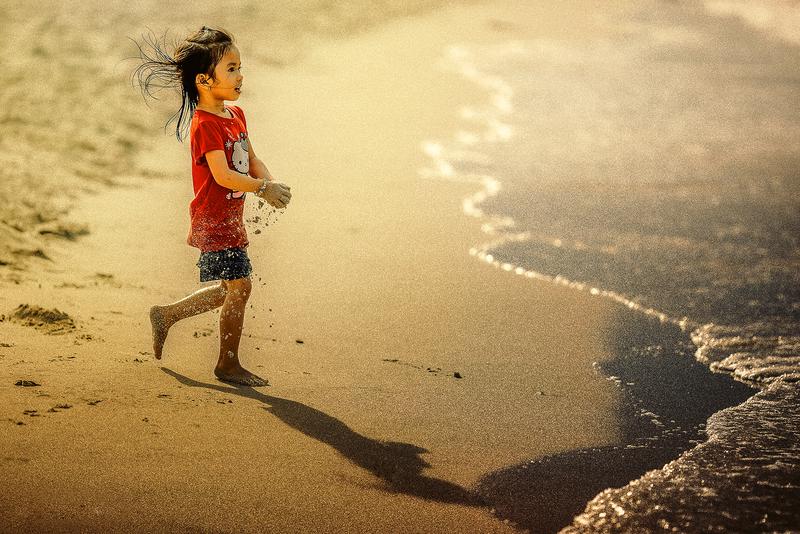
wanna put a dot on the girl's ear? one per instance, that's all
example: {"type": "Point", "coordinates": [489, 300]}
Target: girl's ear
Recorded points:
{"type": "Point", "coordinates": [201, 79]}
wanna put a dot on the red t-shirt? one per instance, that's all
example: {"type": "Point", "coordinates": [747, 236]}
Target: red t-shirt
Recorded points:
{"type": "Point", "coordinates": [217, 212]}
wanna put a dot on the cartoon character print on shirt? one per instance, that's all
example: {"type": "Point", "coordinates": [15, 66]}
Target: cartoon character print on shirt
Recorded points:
{"type": "Point", "coordinates": [240, 159]}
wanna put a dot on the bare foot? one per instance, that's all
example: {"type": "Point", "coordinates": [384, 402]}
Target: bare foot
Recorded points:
{"type": "Point", "coordinates": [240, 375]}
{"type": "Point", "coordinates": [160, 329]}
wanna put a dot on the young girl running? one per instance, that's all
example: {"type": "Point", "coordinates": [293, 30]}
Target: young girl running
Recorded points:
{"type": "Point", "coordinates": [206, 67]}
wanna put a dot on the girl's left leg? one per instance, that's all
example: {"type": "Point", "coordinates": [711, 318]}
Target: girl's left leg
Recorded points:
{"type": "Point", "coordinates": [163, 317]}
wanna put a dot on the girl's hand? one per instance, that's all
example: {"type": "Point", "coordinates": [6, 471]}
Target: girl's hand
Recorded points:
{"type": "Point", "coordinates": [277, 194]}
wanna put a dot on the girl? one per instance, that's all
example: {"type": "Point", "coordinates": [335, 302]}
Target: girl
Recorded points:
{"type": "Point", "coordinates": [206, 67]}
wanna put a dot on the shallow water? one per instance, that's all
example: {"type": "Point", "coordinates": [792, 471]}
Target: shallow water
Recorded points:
{"type": "Point", "coordinates": [658, 168]}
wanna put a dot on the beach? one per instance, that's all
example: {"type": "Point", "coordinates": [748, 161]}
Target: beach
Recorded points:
{"type": "Point", "coordinates": [416, 385]}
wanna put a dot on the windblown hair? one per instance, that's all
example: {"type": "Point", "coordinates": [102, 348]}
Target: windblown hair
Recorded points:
{"type": "Point", "coordinates": [199, 53]}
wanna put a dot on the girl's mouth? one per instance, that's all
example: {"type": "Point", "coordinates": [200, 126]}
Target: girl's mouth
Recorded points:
{"type": "Point", "coordinates": [238, 89]}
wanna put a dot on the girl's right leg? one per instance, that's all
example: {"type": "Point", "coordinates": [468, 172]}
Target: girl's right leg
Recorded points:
{"type": "Point", "coordinates": [163, 317]}
{"type": "Point", "coordinates": [231, 321]}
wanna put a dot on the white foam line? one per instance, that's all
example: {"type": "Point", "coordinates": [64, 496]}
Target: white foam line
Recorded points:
{"type": "Point", "coordinates": [495, 130]}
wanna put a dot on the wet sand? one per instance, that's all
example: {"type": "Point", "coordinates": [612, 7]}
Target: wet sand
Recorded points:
{"type": "Point", "coordinates": [365, 306]}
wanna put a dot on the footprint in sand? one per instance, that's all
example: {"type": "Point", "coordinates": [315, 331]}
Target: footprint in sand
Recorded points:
{"type": "Point", "coordinates": [26, 383]}
{"type": "Point", "coordinates": [50, 322]}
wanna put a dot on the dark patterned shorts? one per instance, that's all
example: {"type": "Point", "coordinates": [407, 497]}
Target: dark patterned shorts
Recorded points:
{"type": "Point", "coordinates": [228, 264]}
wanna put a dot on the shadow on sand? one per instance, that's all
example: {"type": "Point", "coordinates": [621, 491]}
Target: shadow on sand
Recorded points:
{"type": "Point", "coordinates": [397, 464]}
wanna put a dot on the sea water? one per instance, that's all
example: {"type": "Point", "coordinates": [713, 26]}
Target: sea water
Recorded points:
{"type": "Point", "coordinates": [660, 168]}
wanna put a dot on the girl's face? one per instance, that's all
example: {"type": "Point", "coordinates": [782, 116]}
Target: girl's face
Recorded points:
{"type": "Point", "coordinates": [227, 82]}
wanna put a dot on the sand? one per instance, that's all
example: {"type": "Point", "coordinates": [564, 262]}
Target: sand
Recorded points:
{"type": "Point", "coordinates": [366, 304]}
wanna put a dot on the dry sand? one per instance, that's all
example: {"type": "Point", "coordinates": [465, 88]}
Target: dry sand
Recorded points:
{"type": "Point", "coordinates": [365, 305]}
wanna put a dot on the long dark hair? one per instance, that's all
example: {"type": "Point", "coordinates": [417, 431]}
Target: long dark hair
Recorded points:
{"type": "Point", "coordinates": [197, 54]}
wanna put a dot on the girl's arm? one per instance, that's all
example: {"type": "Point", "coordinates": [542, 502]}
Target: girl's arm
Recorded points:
{"type": "Point", "coordinates": [227, 177]}
{"type": "Point", "coordinates": [257, 167]}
